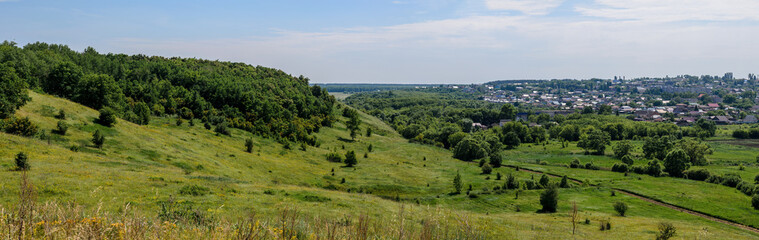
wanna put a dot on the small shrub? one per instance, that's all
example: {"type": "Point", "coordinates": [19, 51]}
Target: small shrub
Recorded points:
{"type": "Point", "coordinates": [544, 180]}
{"type": "Point", "coordinates": [107, 117]}
{"type": "Point", "coordinates": [697, 174]}
{"type": "Point", "coordinates": [179, 122]}
{"type": "Point", "coordinates": [22, 162]}
{"type": "Point", "coordinates": [74, 148]}
{"type": "Point", "coordinates": [495, 160]}
{"type": "Point", "coordinates": [564, 182]}
{"type": "Point", "coordinates": [486, 169]}
{"type": "Point", "coordinates": [334, 157]}
{"type": "Point", "coordinates": [627, 159]}
{"type": "Point", "coordinates": [98, 139]}
{"type": "Point", "coordinates": [638, 169]}
{"type": "Point", "coordinates": [620, 167]}
{"type": "Point", "coordinates": [755, 201]}
{"type": "Point", "coordinates": [549, 199]}
{"type": "Point", "coordinates": [498, 176]}
{"type": "Point", "coordinates": [666, 231]}
{"type": "Point", "coordinates": [370, 148]}
{"type": "Point", "coordinates": [61, 115]}
{"type": "Point", "coordinates": [20, 126]}
{"type": "Point", "coordinates": [511, 182]}
{"type": "Point", "coordinates": [731, 180]}
{"type": "Point", "coordinates": [756, 179]}
{"type": "Point", "coordinates": [745, 187]}
{"type": "Point", "coordinates": [654, 168]}
{"type": "Point", "coordinates": [621, 208]}
{"type": "Point", "coordinates": [575, 163]}
{"type": "Point", "coordinates": [716, 179]}
{"type": "Point", "coordinates": [223, 128]}
{"type": "Point", "coordinates": [61, 128]}
{"type": "Point", "coordinates": [249, 145]}
{"type": "Point", "coordinates": [194, 190]}
{"type": "Point", "coordinates": [350, 159]}
{"type": "Point", "coordinates": [207, 126]}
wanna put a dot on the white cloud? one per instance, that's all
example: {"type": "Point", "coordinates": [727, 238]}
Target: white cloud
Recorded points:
{"type": "Point", "coordinates": [530, 7]}
{"type": "Point", "coordinates": [674, 10]}
{"type": "Point", "coordinates": [482, 48]}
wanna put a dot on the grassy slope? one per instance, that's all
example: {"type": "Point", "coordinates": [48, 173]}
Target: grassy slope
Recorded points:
{"type": "Point", "coordinates": [713, 199]}
{"type": "Point", "coordinates": [142, 165]}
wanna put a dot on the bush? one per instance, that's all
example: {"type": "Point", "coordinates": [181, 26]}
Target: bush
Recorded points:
{"type": "Point", "coordinates": [575, 163]}
{"type": "Point", "coordinates": [249, 145]}
{"type": "Point", "coordinates": [627, 159]}
{"type": "Point", "coordinates": [22, 162]}
{"type": "Point", "coordinates": [61, 115]}
{"type": "Point", "coordinates": [544, 180]}
{"type": "Point", "coordinates": [666, 231]}
{"type": "Point", "coordinates": [20, 126]}
{"type": "Point", "coordinates": [621, 208]}
{"type": "Point", "coordinates": [61, 128]}
{"type": "Point", "coordinates": [756, 179]}
{"type": "Point", "coordinates": [564, 182]}
{"type": "Point", "coordinates": [638, 169]}
{"type": "Point", "coordinates": [486, 169]}
{"type": "Point", "coordinates": [716, 179]}
{"type": "Point", "coordinates": [676, 162]}
{"type": "Point", "coordinates": [740, 134]}
{"type": "Point", "coordinates": [107, 117]}
{"type": "Point", "coordinates": [207, 126]}
{"type": "Point", "coordinates": [549, 199]}
{"type": "Point", "coordinates": [495, 160]}
{"type": "Point", "coordinates": [350, 159]}
{"type": "Point", "coordinates": [745, 187]}
{"type": "Point", "coordinates": [731, 180]}
{"type": "Point", "coordinates": [698, 174]}
{"type": "Point", "coordinates": [194, 190]}
{"type": "Point", "coordinates": [223, 128]}
{"type": "Point", "coordinates": [531, 185]}
{"type": "Point", "coordinates": [334, 157]}
{"type": "Point", "coordinates": [511, 182]}
{"type": "Point", "coordinates": [98, 139]}
{"type": "Point", "coordinates": [654, 168]}
{"type": "Point", "coordinates": [755, 201]}
{"type": "Point", "coordinates": [622, 148]}
{"type": "Point", "coordinates": [620, 167]}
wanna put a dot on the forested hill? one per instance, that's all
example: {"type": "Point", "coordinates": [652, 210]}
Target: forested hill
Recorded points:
{"type": "Point", "coordinates": [262, 100]}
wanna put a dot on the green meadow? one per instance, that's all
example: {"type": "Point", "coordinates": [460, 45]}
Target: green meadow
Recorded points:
{"type": "Point", "coordinates": [399, 186]}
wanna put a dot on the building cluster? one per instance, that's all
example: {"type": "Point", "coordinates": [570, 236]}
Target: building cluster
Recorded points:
{"type": "Point", "coordinates": [680, 100]}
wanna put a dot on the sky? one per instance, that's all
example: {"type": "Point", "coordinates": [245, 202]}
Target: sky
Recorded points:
{"type": "Point", "coordinates": [413, 41]}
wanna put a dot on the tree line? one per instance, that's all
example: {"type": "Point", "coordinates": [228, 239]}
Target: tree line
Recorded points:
{"type": "Point", "coordinates": [265, 101]}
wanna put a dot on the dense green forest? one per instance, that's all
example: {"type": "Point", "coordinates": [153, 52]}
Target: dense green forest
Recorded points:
{"type": "Point", "coordinates": [261, 100]}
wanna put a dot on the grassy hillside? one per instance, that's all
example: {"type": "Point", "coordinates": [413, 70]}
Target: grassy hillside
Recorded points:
{"type": "Point", "coordinates": [399, 187]}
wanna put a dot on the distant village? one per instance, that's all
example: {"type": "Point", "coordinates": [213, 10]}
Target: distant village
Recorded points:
{"type": "Point", "coordinates": [681, 100]}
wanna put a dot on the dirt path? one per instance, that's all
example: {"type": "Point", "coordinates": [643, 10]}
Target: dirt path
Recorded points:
{"type": "Point", "coordinates": [657, 202]}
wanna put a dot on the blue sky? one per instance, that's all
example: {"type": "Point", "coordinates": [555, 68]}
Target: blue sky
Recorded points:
{"type": "Point", "coordinates": [413, 41]}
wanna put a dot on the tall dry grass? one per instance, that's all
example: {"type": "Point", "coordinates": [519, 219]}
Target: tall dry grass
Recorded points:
{"type": "Point", "coordinates": [53, 220]}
